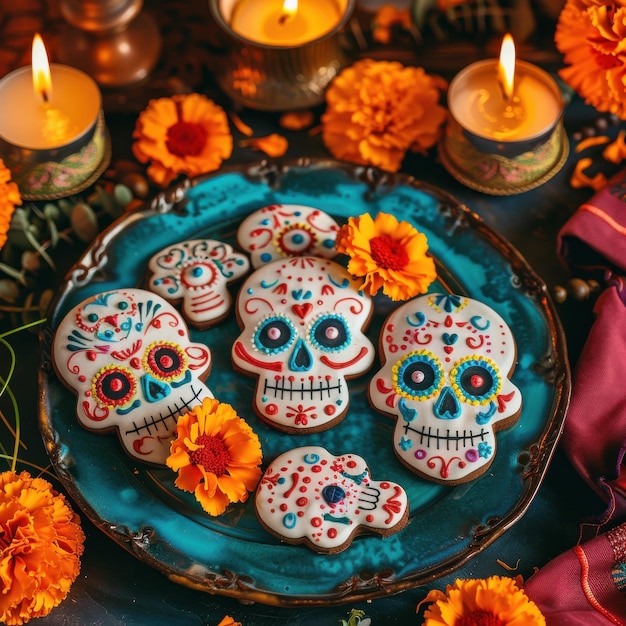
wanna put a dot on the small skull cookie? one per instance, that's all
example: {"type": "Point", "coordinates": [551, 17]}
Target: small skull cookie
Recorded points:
{"type": "Point", "coordinates": [287, 230]}
{"type": "Point", "coordinates": [310, 496]}
{"type": "Point", "coordinates": [447, 362]}
{"type": "Point", "coordinates": [197, 273]}
{"type": "Point", "coordinates": [302, 336]}
{"type": "Point", "coordinates": [128, 357]}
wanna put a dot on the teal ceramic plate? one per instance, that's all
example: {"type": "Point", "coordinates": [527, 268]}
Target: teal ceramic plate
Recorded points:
{"type": "Point", "coordinates": [232, 555]}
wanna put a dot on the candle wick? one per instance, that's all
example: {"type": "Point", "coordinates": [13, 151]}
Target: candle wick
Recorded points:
{"type": "Point", "coordinates": [44, 95]}
{"type": "Point", "coordinates": [283, 18]}
{"type": "Point", "coordinates": [505, 95]}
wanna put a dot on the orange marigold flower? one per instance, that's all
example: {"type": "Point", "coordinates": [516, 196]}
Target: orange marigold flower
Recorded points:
{"type": "Point", "coordinates": [9, 198]}
{"type": "Point", "coordinates": [227, 620]}
{"type": "Point", "coordinates": [473, 602]}
{"type": "Point", "coordinates": [216, 454]}
{"type": "Point", "coordinates": [388, 254]}
{"type": "Point", "coordinates": [184, 134]}
{"type": "Point", "coordinates": [41, 542]}
{"type": "Point", "coordinates": [377, 110]}
{"type": "Point", "coordinates": [590, 35]}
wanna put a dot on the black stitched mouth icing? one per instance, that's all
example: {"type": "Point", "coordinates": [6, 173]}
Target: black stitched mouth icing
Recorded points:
{"type": "Point", "coordinates": [174, 410]}
{"type": "Point", "coordinates": [446, 439]}
{"type": "Point", "coordinates": [286, 389]}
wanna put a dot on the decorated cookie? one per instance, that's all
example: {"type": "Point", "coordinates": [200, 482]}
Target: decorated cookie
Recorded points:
{"type": "Point", "coordinates": [196, 273]}
{"type": "Point", "coordinates": [447, 361]}
{"type": "Point", "coordinates": [287, 230]}
{"type": "Point", "coordinates": [310, 496]}
{"type": "Point", "coordinates": [302, 337]}
{"type": "Point", "coordinates": [128, 357]}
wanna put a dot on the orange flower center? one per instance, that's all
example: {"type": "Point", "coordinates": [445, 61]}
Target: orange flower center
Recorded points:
{"type": "Point", "coordinates": [213, 455]}
{"type": "Point", "coordinates": [186, 138]}
{"type": "Point", "coordinates": [479, 618]}
{"type": "Point", "coordinates": [388, 252]}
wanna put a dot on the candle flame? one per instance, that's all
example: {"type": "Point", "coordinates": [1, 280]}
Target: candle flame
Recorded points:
{"type": "Point", "coordinates": [506, 68]}
{"type": "Point", "coordinates": [290, 8]}
{"type": "Point", "coordinates": [42, 83]}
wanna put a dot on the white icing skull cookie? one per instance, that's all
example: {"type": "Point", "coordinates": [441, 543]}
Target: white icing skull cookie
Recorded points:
{"type": "Point", "coordinates": [128, 357]}
{"type": "Point", "coordinates": [287, 230]}
{"type": "Point", "coordinates": [197, 272]}
{"type": "Point", "coordinates": [310, 496]}
{"type": "Point", "coordinates": [303, 320]}
{"type": "Point", "coordinates": [447, 362]}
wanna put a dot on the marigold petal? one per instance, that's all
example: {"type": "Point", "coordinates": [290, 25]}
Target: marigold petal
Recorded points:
{"type": "Point", "coordinates": [615, 152]}
{"type": "Point", "coordinates": [214, 504]}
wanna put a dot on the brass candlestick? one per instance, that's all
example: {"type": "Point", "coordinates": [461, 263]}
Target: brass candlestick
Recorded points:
{"type": "Point", "coordinates": [111, 40]}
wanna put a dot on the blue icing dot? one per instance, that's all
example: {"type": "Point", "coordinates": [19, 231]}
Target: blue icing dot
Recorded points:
{"type": "Point", "coordinates": [281, 480]}
{"type": "Point", "coordinates": [266, 256]}
{"type": "Point", "coordinates": [328, 243]}
{"type": "Point", "coordinates": [333, 494]}
{"type": "Point", "coordinates": [298, 238]}
{"type": "Point", "coordinates": [197, 271]}
{"type": "Point", "coordinates": [290, 520]}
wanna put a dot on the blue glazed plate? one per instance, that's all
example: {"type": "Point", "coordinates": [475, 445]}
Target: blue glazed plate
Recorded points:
{"type": "Point", "coordinates": [232, 555]}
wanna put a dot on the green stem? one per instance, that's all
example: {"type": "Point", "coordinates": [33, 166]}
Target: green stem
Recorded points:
{"type": "Point", "coordinates": [20, 328]}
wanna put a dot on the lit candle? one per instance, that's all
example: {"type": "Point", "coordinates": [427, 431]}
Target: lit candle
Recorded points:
{"type": "Point", "coordinates": [505, 100]}
{"type": "Point", "coordinates": [281, 54]}
{"type": "Point", "coordinates": [48, 113]}
{"type": "Point", "coordinates": [284, 22]}
{"type": "Point", "coordinates": [43, 107]}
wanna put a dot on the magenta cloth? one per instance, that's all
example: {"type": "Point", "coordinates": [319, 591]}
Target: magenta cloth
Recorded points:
{"type": "Point", "coordinates": [592, 243]}
{"type": "Point", "coordinates": [594, 435]}
{"type": "Point", "coordinates": [593, 240]}
{"type": "Point", "coordinates": [582, 586]}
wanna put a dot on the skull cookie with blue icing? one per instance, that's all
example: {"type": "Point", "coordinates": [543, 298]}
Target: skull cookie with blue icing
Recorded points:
{"type": "Point", "coordinates": [302, 336]}
{"type": "Point", "coordinates": [128, 357]}
{"type": "Point", "coordinates": [197, 273]}
{"type": "Point", "coordinates": [447, 362]}
{"type": "Point", "coordinates": [287, 230]}
{"type": "Point", "coordinates": [307, 495]}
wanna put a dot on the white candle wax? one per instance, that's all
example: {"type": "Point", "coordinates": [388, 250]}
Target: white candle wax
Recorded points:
{"type": "Point", "coordinates": [265, 21]}
{"type": "Point", "coordinates": [28, 122]}
{"type": "Point", "coordinates": [477, 102]}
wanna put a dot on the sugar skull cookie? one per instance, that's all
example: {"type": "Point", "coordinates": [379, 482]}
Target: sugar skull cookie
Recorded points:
{"type": "Point", "coordinates": [302, 336]}
{"type": "Point", "coordinates": [446, 379]}
{"type": "Point", "coordinates": [128, 357]}
{"type": "Point", "coordinates": [197, 273]}
{"type": "Point", "coordinates": [310, 496]}
{"type": "Point", "coordinates": [286, 230]}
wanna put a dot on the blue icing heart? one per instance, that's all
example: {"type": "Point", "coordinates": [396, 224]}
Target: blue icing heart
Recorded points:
{"type": "Point", "coordinates": [449, 339]}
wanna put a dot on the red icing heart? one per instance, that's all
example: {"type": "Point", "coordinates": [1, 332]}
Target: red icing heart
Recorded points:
{"type": "Point", "coordinates": [448, 349]}
{"type": "Point", "coordinates": [302, 310]}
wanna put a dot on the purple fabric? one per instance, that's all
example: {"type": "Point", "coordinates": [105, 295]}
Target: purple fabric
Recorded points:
{"type": "Point", "coordinates": [579, 587]}
{"type": "Point", "coordinates": [586, 586]}
{"type": "Point", "coordinates": [594, 435]}
{"type": "Point", "coordinates": [593, 240]}
{"type": "Point", "coordinates": [592, 243]}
